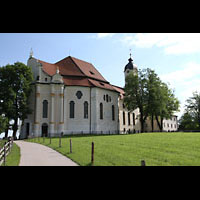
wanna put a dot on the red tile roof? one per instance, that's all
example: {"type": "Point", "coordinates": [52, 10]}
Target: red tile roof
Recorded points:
{"type": "Point", "coordinates": [102, 85]}
{"type": "Point", "coordinates": [69, 68]}
{"type": "Point", "coordinates": [120, 90]}
{"type": "Point", "coordinates": [88, 69]}
{"type": "Point", "coordinates": [76, 81]}
{"type": "Point", "coordinates": [48, 68]}
{"type": "Point", "coordinates": [77, 72]}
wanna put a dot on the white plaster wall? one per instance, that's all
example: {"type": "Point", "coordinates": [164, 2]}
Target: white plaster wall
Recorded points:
{"type": "Point", "coordinates": [106, 124]}
{"type": "Point", "coordinates": [78, 123]}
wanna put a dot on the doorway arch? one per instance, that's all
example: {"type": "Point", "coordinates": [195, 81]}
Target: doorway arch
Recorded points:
{"type": "Point", "coordinates": [44, 129]}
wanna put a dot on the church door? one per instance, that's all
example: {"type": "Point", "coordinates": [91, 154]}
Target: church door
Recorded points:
{"type": "Point", "coordinates": [44, 130]}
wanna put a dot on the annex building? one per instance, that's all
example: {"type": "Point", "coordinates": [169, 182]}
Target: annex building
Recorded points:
{"type": "Point", "coordinates": [72, 97]}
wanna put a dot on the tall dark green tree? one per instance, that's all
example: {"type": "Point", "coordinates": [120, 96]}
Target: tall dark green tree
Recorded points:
{"type": "Point", "coordinates": [153, 88]}
{"type": "Point", "coordinates": [154, 99]}
{"type": "Point", "coordinates": [15, 89]}
{"type": "Point", "coordinates": [3, 123]}
{"type": "Point", "coordinates": [188, 122]}
{"type": "Point", "coordinates": [168, 104]}
{"type": "Point", "coordinates": [193, 107]}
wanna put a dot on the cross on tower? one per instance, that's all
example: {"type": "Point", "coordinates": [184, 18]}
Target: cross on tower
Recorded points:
{"type": "Point", "coordinates": [31, 53]}
{"type": "Point", "coordinates": [130, 52]}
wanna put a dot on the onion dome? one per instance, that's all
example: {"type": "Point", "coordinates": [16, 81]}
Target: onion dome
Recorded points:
{"type": "Point", "coordinates": [130, 65]}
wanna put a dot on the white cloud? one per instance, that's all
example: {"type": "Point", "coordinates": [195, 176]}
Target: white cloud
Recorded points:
{"type": "Point", "coordinates": [103, 35]}
{"type": "Point", "coordinates": [173, 43]}
{"type": "Point", "coordinates": [185, 81]}
{"type": "Point", "coordinates": [189, 71]}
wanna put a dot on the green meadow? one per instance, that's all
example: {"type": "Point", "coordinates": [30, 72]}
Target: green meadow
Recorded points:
{"type": "Point", "coordinates": [157, 149]}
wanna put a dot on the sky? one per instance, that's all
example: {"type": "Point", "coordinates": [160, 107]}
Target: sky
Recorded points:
{"type": "Point", "coordinates": [175, 57]}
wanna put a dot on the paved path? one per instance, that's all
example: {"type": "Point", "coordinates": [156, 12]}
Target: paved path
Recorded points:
{"type": "Point", "coordinates": [33, 154]}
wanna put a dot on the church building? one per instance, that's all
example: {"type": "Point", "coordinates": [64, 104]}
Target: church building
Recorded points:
{"type": "Point", "coordinates": [72, 97]}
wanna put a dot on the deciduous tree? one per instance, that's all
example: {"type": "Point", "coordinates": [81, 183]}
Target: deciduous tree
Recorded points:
{"type": "Point", "coordinates": [15, 89]}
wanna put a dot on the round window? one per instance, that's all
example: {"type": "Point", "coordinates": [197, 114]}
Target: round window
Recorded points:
{"type": "Point", "coordinates": [79, 94]}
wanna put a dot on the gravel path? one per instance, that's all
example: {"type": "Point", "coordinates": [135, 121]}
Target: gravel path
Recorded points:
{"type": "Point", "coordinates": [33, 154]}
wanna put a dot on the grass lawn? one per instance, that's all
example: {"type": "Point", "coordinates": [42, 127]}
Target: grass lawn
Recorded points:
{"type": "Point", "coordinates": [13, 157]}
{"type": "Point", "coordinates": [157, 149]}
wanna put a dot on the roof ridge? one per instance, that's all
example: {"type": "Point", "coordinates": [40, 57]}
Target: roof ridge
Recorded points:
{"type": "Point", "coordinates": [80, 60]}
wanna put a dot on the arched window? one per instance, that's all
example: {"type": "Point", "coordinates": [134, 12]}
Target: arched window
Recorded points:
{"type": "Point", "coordinates": [45, 109]}
{"type": "Point", "coordinates": [71, 109]}
{"type": "Point", "coordinates": [124, 122]}
{"type": "Point", "coordinates": [85, 110]}
{"type": "Point", "coordinates": [133, 119]}
{"type": "Point", "coordinates": [101, 111]}
{"type": "Point", "coordinates": [129, 119]}
{"type": "Point", "coordinates": [113, 112]}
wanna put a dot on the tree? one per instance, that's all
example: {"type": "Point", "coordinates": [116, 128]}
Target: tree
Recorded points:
{"type": "Point", "coordinates": [188, 122]}
{"type": "Point", "coordinates": [3, 123]}
{"type": "Point", "coordinates": [15, 89]}
{"type": "Point", "coordinates": [136, 95]}
{"type": "Point", "coordinates": [7, 95]}
{"type": "Point", "coordinates": [168, 104]}
{"type": "Point", "coordinates": [193, 107]}
{"type": "Point", "coordinates": [153, 87]}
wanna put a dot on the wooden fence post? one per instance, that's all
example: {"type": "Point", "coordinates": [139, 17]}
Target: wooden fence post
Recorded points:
{"type": "Point", "coordinates": [143, 163]}
{"type": "Point", "coordinates": [70, 145]}
{"type": "Point", "coordinates": [60, 141]}
{"type": "Point", "coordinates": [92, 158]}
{"type": "Point", "coordinates": [50, 138]}
{"type": "Point", "coordinates": [4, 156]}
{"type": "Point", "coordinates": [9, 140]}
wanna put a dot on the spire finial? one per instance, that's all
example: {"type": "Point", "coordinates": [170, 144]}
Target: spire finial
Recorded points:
{"type": "Point", "coordinates": [130, 52]}
{"type": "Point", "coordinates": [130, 59]}
{"type": "Point", "coordinates": [31, 53]}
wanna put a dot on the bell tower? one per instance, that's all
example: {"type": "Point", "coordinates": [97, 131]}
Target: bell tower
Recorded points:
{"type": "Point", "coordinates": [130, 67]}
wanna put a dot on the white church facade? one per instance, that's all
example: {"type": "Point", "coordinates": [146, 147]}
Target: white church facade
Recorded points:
{"type": "Point", "coordinates": [72, 97]}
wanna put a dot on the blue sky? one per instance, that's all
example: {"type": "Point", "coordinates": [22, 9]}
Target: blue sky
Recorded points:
{"type": "Point", "coordinates": [175, 57]}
